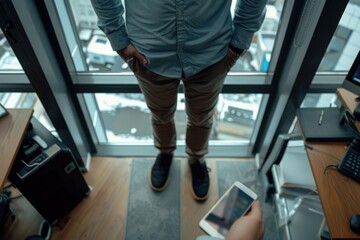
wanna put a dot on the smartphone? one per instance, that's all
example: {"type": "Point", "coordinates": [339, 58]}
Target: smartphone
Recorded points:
{"type": "Point", "coordinates": [235, 202]}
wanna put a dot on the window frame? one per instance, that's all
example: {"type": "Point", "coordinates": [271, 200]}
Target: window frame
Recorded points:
{"type": "Point", "coordinates": [271, 116]}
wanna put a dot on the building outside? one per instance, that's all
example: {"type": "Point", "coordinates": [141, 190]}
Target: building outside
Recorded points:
{"type": "Point", "coordinates": [236, 113]}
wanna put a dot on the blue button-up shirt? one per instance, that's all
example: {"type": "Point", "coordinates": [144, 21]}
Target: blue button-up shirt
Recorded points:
{"type": "Point", "coordinates": [179, 37]}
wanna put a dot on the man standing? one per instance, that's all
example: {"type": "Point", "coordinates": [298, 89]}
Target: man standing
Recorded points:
{"type": "Point", "coordinates": [168, 41]}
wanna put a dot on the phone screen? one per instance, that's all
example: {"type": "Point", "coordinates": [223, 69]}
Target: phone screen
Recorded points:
{"type": "Point", "coordinates": [232, 206]}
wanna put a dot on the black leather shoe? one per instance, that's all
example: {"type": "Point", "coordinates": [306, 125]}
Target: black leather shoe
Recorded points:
{"type": "Point", "coordinates": [158, 177]}
{"type": "Point", "coordinates": [200, 181]}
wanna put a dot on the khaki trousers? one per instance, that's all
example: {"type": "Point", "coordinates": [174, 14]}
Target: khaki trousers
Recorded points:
{"type": "Point", "coordinates": [201, 95]}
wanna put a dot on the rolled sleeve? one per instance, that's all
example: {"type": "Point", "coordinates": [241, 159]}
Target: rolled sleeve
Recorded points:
{"type": "Point", "coordinates": [111, 22]}
{"type": "Point", "coordinates": [118, 39]}
{"type": "Point", "coordinates": [249, 15]}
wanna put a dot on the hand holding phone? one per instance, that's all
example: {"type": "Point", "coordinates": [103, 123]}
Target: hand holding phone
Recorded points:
{"type": "Point", "coordinates": [235, 203]}
{"type": "Point", "coordinates": [249, 226]}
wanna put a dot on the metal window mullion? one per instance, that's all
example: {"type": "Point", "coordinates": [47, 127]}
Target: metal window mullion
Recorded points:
{"type": "Point", "coordinates": [289, 19]}
{"type": "Point", "coordinates": [303, 60]}
{"type": "Point", "coordinates": [14, 81]}
{"type": "Point", "coordinates": [59, 28]}
{"type": "Point", "coordinates": [34, 52]}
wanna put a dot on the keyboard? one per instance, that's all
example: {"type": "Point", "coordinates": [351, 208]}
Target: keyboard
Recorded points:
{"type": "Point", "coordinates": [350, 164]}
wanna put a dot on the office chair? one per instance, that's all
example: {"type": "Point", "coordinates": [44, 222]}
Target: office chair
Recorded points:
{"type": "Point", "coordinates": [291, 205]}
{"type": "Point", "coordinates": [275, 157]}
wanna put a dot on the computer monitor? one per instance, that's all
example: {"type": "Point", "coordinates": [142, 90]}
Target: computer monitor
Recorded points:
{"type": "Point", "coordinates": [352, 80]}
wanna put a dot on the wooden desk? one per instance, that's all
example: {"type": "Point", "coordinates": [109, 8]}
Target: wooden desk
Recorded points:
{"type": "Point", "coordinates": [339, 194]}
{"type": "Point", "coordinates": [12, 130]}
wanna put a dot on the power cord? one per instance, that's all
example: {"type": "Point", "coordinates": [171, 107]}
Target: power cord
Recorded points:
{"type": "Point", "coordinates": [319, 151]}
{"type": "Point", "coordinates": [6, 190]}
{"type": "Point", "coordinates": [31, 165]}
{"type": "Point", "coordinates": [329, 166]}
{"type": "Point", "coordinates": [326, 153]}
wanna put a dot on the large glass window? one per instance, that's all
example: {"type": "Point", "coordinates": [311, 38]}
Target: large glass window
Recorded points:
{"type": "Point", "coordinates": [114, 110]}
{"type": "Point", "coordinates": [125, 117]}
{"type": "Point", "coordinates": [27, 100]}
{"type": "Point", "coordinates": [320, 100]}
{"type": "Point", "coordinates": [99, 56]}
{"type": "Point", "coordinates": [345, 43]}
{"type": "Point", "coordinates": [8, 60]}
{"type": "Point", "coordinates": [10, 65]}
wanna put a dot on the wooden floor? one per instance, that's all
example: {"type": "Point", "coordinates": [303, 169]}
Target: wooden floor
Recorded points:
{"type": "Point", "coordinates": [102, 215]}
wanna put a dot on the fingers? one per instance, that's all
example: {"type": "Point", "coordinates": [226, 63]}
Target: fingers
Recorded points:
{"type": "Point", "coordinates": [129, 53]}
{"type": "Point", "coordinates": [140, 57]}
{"type": "Point", "coordinates": [248, 227]}
{"type": "Point", "coordinates": [255, 209]}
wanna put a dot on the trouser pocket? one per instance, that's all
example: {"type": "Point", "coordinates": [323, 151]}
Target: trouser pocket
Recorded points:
{"type": "Point", "coordinates": [232, 58]}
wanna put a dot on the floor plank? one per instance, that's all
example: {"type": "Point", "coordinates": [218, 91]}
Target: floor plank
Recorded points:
{"type": "Point", "coordinates": [102, 215]}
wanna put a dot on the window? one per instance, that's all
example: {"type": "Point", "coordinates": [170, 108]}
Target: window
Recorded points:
{"type": "Point", "coordinates": [125, 117]}
{"type": "Point", "coordinates": [11, 71]}
{"type": "Point", "coordinates": [8, 60]}
{"type": "Point", "coordinates": [27, 100]}
{"type": "Point", "coordinates": [319, 100]}
{"type": "Point", "coordinates": [104, 59]}
{"type": "Point", "coordinates": [95, 62]}
{"type": "Point", "coordinates": [345, 43]}
{"type": "Point", "coordinates": [99, 78]}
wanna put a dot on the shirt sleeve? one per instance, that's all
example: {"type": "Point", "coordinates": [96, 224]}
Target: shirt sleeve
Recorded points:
{"type": "Point", "coordinates": [111, 22]}
{"type": "Point", "coordinates": [248, 17]}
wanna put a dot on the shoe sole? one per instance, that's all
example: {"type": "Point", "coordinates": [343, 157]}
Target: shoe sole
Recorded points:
{"type": "Point", "coordinates": [197, 198]}
{"type": "Point", "coordinates": [156, 189]}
